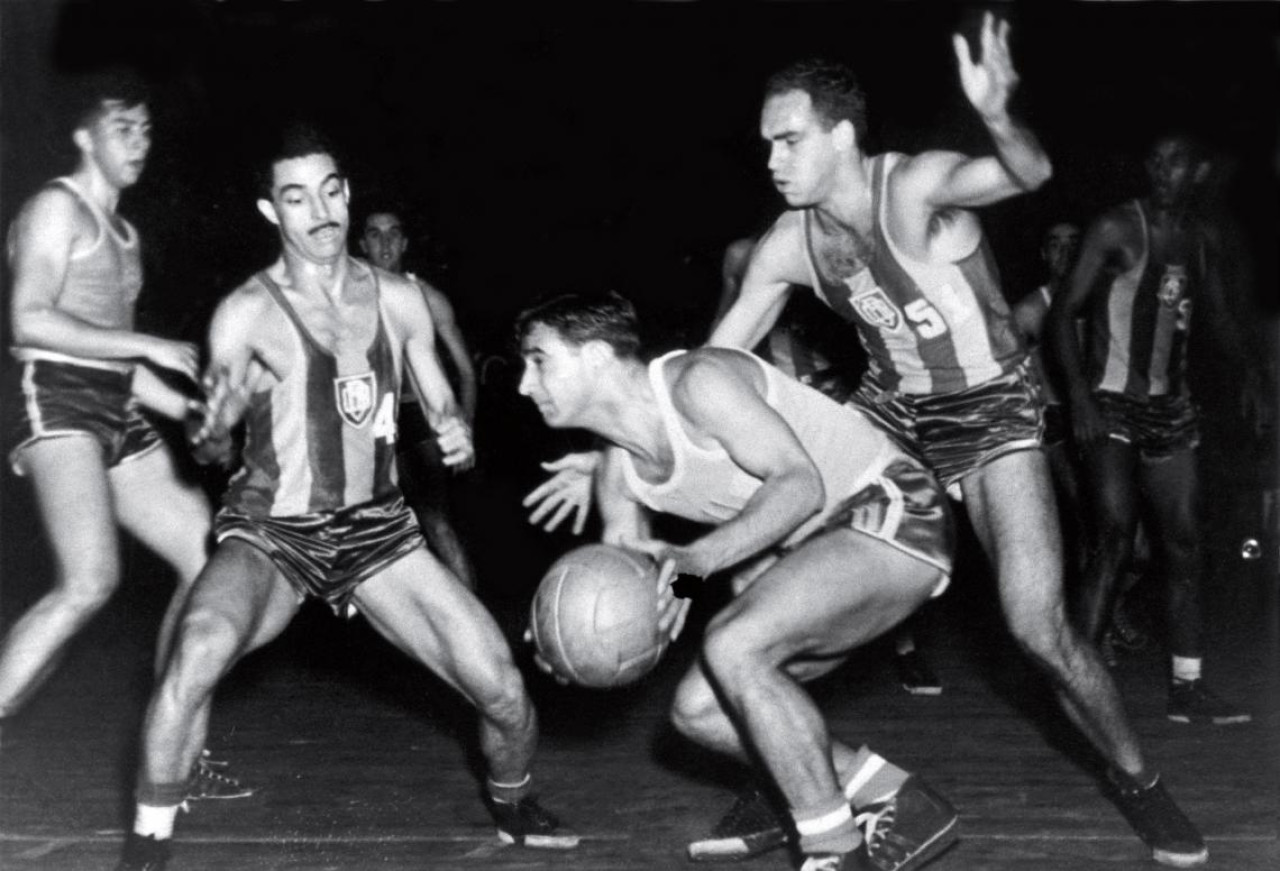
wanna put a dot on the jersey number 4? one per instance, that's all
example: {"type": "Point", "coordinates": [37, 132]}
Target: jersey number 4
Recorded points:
{"type": "Point", "coordinates": [384, 422]}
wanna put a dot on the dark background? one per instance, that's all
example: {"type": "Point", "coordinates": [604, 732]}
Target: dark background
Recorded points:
{"type": "Point", "coordinates": [551, 146]}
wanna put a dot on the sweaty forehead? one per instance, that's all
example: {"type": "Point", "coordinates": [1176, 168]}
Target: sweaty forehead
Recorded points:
{"type": "Point", "coordinates": [382, 222]}
{"type": "Point", "coordinates": [790, 110]}
{"type": "Point", "coordinates": [116, 110]}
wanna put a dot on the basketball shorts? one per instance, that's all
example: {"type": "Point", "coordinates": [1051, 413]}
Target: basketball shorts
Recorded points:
{"type": "Point", "coordinates": [906, 508]}
{"type": "Point", "coordinates": [958, 432]}
{"type": "Point", "coordinates": [61, 399]}
{"type": "Point", "coordinates": [328, 554]}
{"type": "Point", "coordinates": [1158, 426]}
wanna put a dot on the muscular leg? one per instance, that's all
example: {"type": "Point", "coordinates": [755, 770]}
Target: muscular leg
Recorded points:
{"type": "Point", "coordinates": [1011, 505]}
{"type": "Point", "coordinates": [426, 488]}
{"type": "Point", "coordinates": [238, 603]}
{"type": "Point", "coordinates": [74, 501]}
{"type": "Point", "coordinates": [171, 517]}
{"type": "Point", "coordinates": [1171, 485]}
{"type": "Point", "coordinates": [421, 608]}
{"type": "Point", "coordinates": [1113, 503]}
{"type": "Point", "coordinates": [796, 621]}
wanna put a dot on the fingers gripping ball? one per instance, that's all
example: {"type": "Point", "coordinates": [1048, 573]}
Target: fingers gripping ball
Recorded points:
{"type": "Point", "coordinates": [594, 617]}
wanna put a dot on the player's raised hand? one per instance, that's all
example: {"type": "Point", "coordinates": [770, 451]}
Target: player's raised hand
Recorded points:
{"type": "Point", "coordinates": [566, 492]}
{"type": "Point", "coordinates": [991, 81]}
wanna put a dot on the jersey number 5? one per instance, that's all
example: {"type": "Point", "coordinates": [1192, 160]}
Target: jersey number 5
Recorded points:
{"type": "Point", "coordinates": [928, 323]}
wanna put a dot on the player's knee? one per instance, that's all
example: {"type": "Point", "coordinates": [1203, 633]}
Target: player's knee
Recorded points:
{"type": "Point", "coordinates": [694, 704]}
{"type": "Point", "coordinates": [206, 644]}
{"type": "Point", "coordinates": [502, 699]}
{"type": "Point", "coordinates": [1045, 636]}
{"type": "Point", "coordinates": [731, 650]}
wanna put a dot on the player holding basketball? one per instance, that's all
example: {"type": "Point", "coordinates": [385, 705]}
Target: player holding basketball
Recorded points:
{"type": "Point", "coordinates": [836, 534]}
{"type": "Point", "coordinates": [888, 241]}
{"type": "Point", "coordinates": [309, 354]}
{"type": "Point", "coordinates": [93, 459]}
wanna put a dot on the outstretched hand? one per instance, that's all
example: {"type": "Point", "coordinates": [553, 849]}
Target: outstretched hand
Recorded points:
{"type": "Point", "coordinates": [991, 81]}
{"type": "Point", "coordinates": [567, 492]}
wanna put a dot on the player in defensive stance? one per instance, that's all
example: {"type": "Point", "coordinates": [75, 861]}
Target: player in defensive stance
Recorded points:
{"type": "Point", "coordinates": [309, 354]}
{"type": "Point", "coordinates": [835, 534]}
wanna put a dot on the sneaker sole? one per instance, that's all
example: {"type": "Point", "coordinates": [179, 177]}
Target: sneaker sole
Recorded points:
{"type": "Point", "coordinates": [1213, 721]}
{"type": "Point", "coordinates": [1180, 860]}
{"type": "Point", "coordinates": [541, 842]}
{"type": "Point", "coordinates": [923, 691]}
{"type": "Point", "coordinates": [944, 840]}
{"type": "Point", "coordinates": [736, 849]}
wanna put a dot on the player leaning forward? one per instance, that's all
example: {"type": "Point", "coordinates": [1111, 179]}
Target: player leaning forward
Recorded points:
{"type": "Point", "coordinates": [309, 353]}
{"type": "Point", "coordinates": [836, 536]}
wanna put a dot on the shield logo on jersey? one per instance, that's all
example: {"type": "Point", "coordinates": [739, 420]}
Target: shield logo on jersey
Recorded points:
{"type": "Point", "coordinates": [875, 307]}
{"type": "Point", "coordinates": [1173, 285]}
{"type": "Point", "coordinates": [354, 394]}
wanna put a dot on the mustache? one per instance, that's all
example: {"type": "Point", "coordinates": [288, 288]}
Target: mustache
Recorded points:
{"type": "Point", "coordinates": [330, 225]}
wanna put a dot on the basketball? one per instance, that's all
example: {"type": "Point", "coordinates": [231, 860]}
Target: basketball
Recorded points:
{"type": "Point", "coordinates": [594, 616]}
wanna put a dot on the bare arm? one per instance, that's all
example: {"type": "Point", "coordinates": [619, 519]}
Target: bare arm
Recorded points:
{"type": "Point", "coordinates": [446, 325]}
{"type": "Point", "coordinates": [41, 243]}
{"type": "Point", "coordinates": [777, 264]}
{"type": "Point", "coordinates": [732, 268]}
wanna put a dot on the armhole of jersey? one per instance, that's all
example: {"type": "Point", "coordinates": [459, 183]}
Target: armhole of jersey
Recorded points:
{"type": "Point", "coordinates": [100, 229]}
{"type": "Point", "coordinates": [809, 260]}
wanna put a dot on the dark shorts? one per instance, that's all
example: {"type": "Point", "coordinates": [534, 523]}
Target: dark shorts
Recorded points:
{"type": "Point", "coordinates": [1057, 428]}
{"type": "Point", "coordinates": [60, 400]}
{"type": "Point", "coordinates": [329, 553]}
{"type": "Point", "coordinates": [958, 432]}
{"type": "Point", "coordinates": [1159, 426]}
{"type": "Point", "coordinates": [904, 507]}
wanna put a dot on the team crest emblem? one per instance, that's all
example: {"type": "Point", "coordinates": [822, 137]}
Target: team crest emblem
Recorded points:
{"type": "Point", "coordinates": [354, 394]}
{"type": "Point", "coordinates": [875, 308]}
{"type": "Point", "coordinates": [1173, 285]}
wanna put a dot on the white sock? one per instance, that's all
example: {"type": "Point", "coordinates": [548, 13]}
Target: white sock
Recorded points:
{"type": "Point", "coordinates": [1186, 668]}
{"type": "Point", "coordinates": [156, 821]}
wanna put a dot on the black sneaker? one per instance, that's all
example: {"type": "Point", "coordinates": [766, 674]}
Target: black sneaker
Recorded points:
{"type": "Point", "coordinates": [1159, 822]}
{"type": "Point", "coordinates": [916, 676]}
{"type": "Point", "coordinates": [1191, 702]}
{"type": "Point", "coordinates": [752, 826]}
{"type": "Point", "coordinates": [144, 854]}
{"type": "Point", "coordinates": [908, 830]}
{"type": "Point", "coordinates": [207, 782]}
{"type": "Point", "coordinates": [526, 823]}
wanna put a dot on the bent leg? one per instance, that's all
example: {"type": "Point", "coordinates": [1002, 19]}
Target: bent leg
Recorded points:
{"type": "Point", "coordinates": [169, 516]}
{"type": "Point", "coordinates": [239, 602]}
{"type": "Point", "coordinates": [74, 501]}
{"type": "Point", "coordinates": [1112, 494]}
{"type": "Point", "coordinates": [421, 608]}
{"type": "Point", "coordinates": [1011, 505]}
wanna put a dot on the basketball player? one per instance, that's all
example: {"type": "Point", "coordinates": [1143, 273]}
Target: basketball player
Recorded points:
{"type": "Point", "coordinates": [427, 479]}
{"type": "Point", "coordinates": [841, 534]}
{"type": "Point", "coordinates": [1147, 267]}
{"type": "Point", "coordinates": [309, 354]}
{"type": "Point", "coordinates": [93, 459]}
{"type": "Point", "coordinates": [888, 241]}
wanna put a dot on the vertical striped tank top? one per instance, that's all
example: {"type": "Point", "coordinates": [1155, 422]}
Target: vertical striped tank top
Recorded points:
{"type": "Point", "coordinates": [321, 439]}
{"type": "Point", "coordinates": [926, 327]}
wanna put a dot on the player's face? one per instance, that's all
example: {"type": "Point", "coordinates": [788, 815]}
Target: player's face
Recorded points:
{"type": "Point", "coordinates": [118, 142]}
{"type": "Point", "coordinates": [309, 206]}
{"type": "Point", "coordinates": [553, 375]}
{"type": "Point", "coordinates": [1061, 244]}
{"type": "Point", "coordinates": [1171, 166]}
{"type": "Point", "coordinates": [383, 241]}
{"type": "Point", "coordinates": [802, 152]}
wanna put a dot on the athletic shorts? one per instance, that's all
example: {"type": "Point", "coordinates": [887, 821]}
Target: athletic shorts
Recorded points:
{"type": "Point", "coordinates": [67, 399]}
{"type": "Point", "coordinates": [958, 432]}
{"type": "Point", "coordinates": [906, 508]}
{"type": "Point", "coordinates": [328, 554]}
{"type": "Point", "coordinates": [1158, 426]}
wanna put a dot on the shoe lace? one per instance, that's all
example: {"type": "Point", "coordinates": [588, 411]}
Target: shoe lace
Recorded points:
{"type": "Point", "coordinates": [875, 822]}
{"type": "Point", "coordinates": [821, 863]}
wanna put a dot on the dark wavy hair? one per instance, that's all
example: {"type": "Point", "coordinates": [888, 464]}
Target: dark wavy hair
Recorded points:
{"type": "Point", "coordinates": [834, 89]}
{"type": "Point", "coordinates": [581, 318]}
{"type": "Point", "coordinates": [295, 139]}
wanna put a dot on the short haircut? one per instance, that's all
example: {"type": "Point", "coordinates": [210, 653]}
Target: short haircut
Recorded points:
{"type": "Point", "coordinates": [580, 318]}
{"type": "Point", "coordinates": [296, 139]}
{"type": "Point", "coordinates": [90, 92]}
{"type": "Point", "coordinates": [832, 86]}
{"type": "Point", "coordinates": [1195, 142]}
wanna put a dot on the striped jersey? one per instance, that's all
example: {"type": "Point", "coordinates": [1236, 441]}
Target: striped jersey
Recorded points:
{"type": "Point", "coordinates": [705, 484]}
{"type": "Point", "coordinates": [322, 438]}
{"type": "Point", "coordinates": [1138, 332]}
{"type": "Point", "coordinates": [926, 327]}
